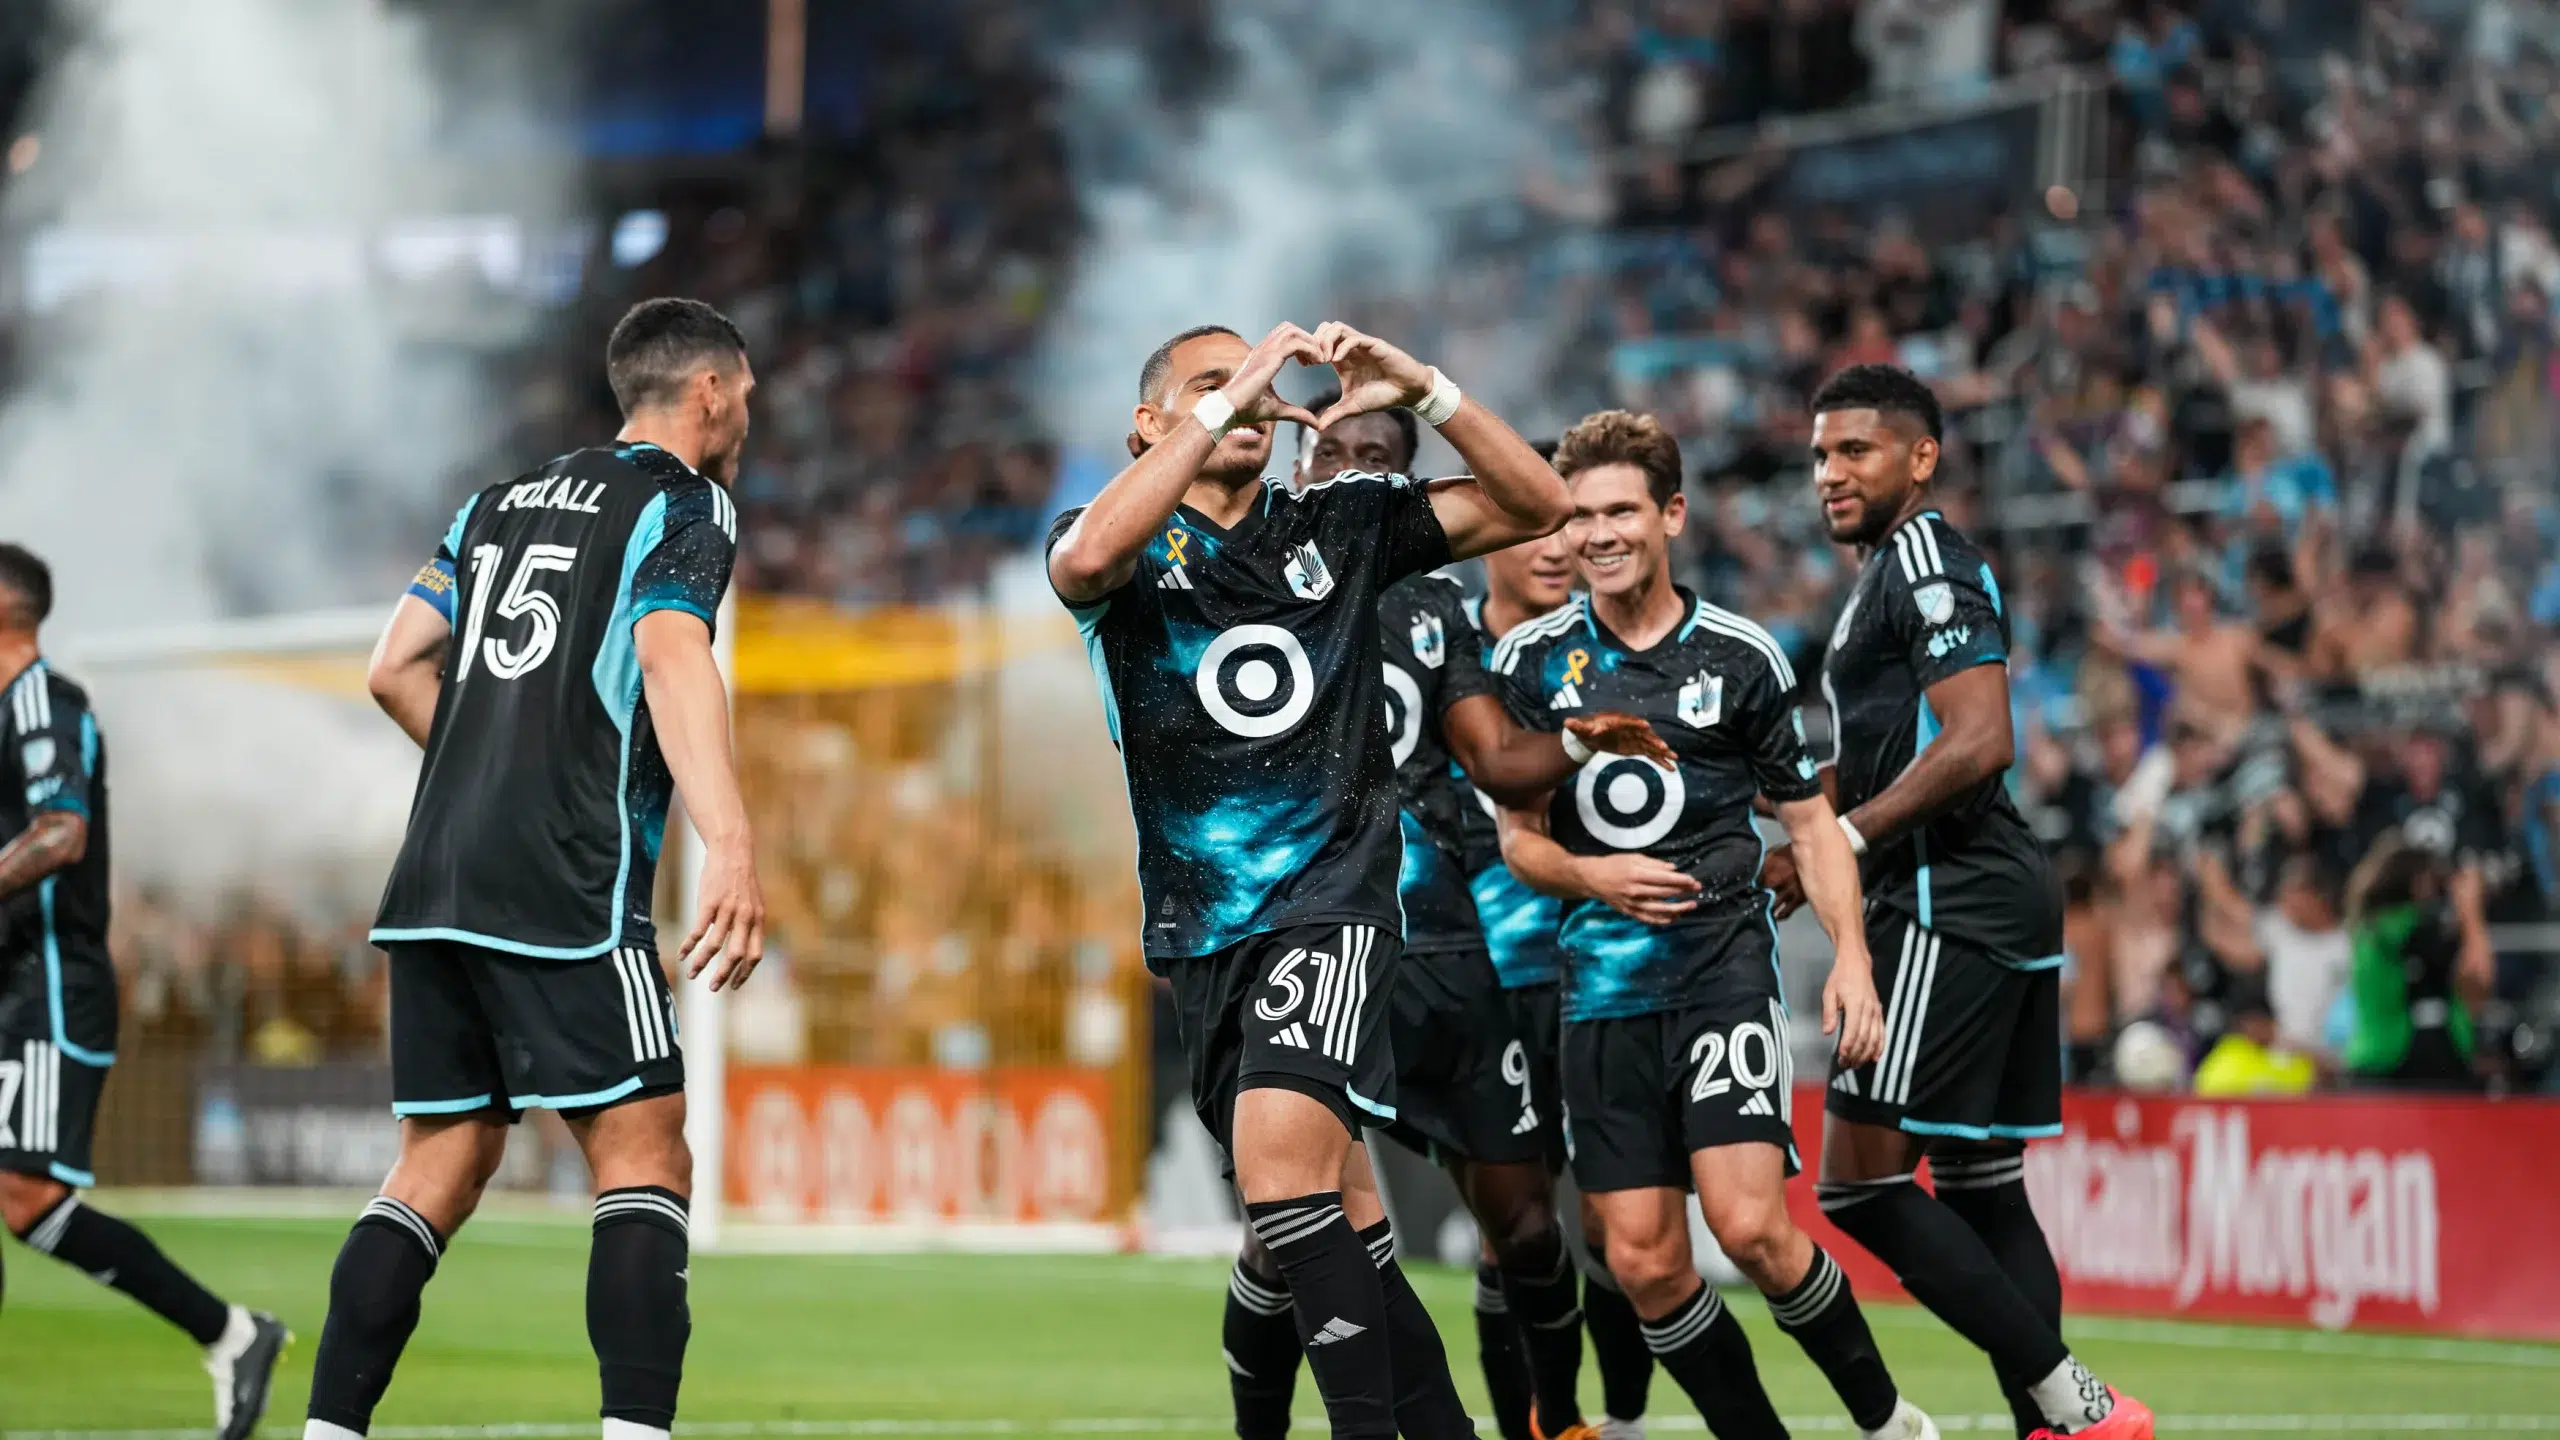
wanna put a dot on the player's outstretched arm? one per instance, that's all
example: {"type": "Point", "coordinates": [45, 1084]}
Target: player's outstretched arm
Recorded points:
{"type": "Point", "coordinates": [1100, 551]}
{"type": "Point", "coordinates": [1637, 886]}
{"type": "Point", "coordinates": [1510, 494]}
{"type": "Point", "coordinates": [1974, 744]}
{"type": "Point", "coordinates": [689, 707]}
{"type": "Point", "coordinates": [407, 668]}
{"type": "Point", "coordinates": [1517, 766]}
{"type": "Point", "coordinates": [1828, 871]}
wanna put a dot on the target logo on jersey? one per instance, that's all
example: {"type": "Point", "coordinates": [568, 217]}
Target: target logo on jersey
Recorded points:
{"type": "Point", "coordinates": [1628, 803]}
{"type": "Point", "coordinates": [1404, 713]}
{"type": "Point", "coordinates": [1254, 680]}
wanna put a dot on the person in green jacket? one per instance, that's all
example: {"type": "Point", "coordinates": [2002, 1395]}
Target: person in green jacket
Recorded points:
{"type": "Point", "coordinates": [2422, 958]}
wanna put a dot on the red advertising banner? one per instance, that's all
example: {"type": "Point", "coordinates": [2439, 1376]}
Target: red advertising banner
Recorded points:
{"type": "Point", "coordinates": [842, 1144]}
{"type": "Point", "coordinates": [2376, 1212]}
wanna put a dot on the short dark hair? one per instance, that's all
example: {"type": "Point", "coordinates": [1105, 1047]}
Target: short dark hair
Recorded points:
{"type": "Point", "coordinates": [1623, 437]}
{"type": "Point", "coordinates": [29, 582]}
{"type": "Point", "coordinates": [1160, 360]}
{"type": "Point", "coordinates": [660, 344]}
{"type": "Point", "coordinates": [1886, 388]}
{"type": "Point", "coordinates": [1408, 429]}
{"type": "Point", "coordinates": [2272, 565]}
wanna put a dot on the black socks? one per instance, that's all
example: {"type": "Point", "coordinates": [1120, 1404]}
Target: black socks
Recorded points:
{"type": "Point", "coordinates": [373, 1307]}
{"type": "Point", "coordinates": [1703, 1347]}
{"type": "Point", "coordinates": [1260, 1341]}
{"type": "Point", "coordinates": [115, 1254]}
{"type": "Point", "coordinates": [1505, 1361]}
{"type": "Point", "coordinates": [1340, 1307]}
{"type": "Point", "coordinates": [638, 1269]}
{"type": "Point", "coordinates": [1822, 1316]}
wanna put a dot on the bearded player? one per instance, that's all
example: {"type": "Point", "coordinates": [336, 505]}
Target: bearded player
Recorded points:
{"type": "Point", "coordinates": [1963, 917]}
{"type": "Point", "coordinates": [1233, 627]}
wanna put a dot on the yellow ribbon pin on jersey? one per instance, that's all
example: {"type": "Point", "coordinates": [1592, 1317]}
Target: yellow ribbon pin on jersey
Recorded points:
{"type": "Point", "coordinates": [1174, 540]}
{"type": "Point", "coordinates": [1574, 661]}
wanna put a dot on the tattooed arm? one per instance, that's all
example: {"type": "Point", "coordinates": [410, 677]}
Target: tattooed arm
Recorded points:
{"type": "Point", "coordinates": [56, 839]}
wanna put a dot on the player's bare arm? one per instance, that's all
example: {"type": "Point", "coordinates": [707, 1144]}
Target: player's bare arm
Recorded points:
{"type": "Point", "coordinates": [1828, 872]}
{"type": "Point", "coordinates": [1517, 765]}
{"type": "Point", "coordinates": [1640, 887]}
{"type": "Point", "coordinates": [1100, 551]}
{"type": "Point", "coordinates": [1975, 745]}
{"type": "Point", "coordinates": [1510, 492]}
{"type": "Point", "coordinates": [53, 840]}
{"type": "Point", "coordinates": [407, 668]}
{"type": "Point", "coordinates": [690, 708]}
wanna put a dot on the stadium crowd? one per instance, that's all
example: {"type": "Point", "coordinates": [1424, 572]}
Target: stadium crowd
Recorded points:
{"type": "Point", "coordinates": [2260, 431]}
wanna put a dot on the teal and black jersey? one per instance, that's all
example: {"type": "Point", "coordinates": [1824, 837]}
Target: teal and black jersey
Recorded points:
{"type": "Point", "coordinates": [56, 760]}
{"type": "Point", "coordinates": [1519, 923]}
{"type": "Point", "coordinates": [1241, 674]}
{"type": "Point", "coordinates": [1925, 607]}
{"type": "Point", "coordinates": [543, 796]}
{"type": "Point", "coordinates": [1720, 692]}
{"type": "Point", "coordinates": [1432, 663]}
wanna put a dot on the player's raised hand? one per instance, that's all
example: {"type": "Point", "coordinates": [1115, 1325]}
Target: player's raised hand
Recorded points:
{"type": "Point", "coordinates": [1619, 733]}
{"type": "Point", "coordinates": [728, 924]}
{"type": "Point", "coordinates": [1640, 887]}
{"type": "Point", "coordinates": [1851, 1013]}
{"type": "Point", "coordinates": [1249, 389]}
{"type": "Point", "coordinates": [1374, 374]}
{"type": "Point", "coordinates": [1778, 875]}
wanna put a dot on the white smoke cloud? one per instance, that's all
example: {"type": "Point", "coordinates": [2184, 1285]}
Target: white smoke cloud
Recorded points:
{"type": "Point", "coordinates": [239, 260]}
{"type": "Point", "coordinates": [1342, 153]}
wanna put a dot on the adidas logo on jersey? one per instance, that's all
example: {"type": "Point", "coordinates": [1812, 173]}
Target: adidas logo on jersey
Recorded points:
{"type": "Point", "coordinates": [1334, 1329]}
{"type": "Point", "coordinates": [1174, 579]}
{"type": "Point", "coordinates": [1527, 1122]}
{"type": "Point", "coordinates": [1309, 579]}
{"type": "Point", "coordinates": [1567, 698]}
{"type": "Point", "coordinates": [1758, 1104]}
{"type": "Point", "coordinates": [1846, 1082]}
{"type": "Point", "coordinates": [1295, 1037]}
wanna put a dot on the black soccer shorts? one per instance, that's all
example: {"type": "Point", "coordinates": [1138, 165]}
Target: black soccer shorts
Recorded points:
{"type": "Point", "coordinates": [1537, 1018]}
{"type": "Point", "coordinates": [476, 1029]}
{"type": "Point", "coordinates": [1972, 1044]}
{"type": "Point", "coordinates": [57, 1040]}
{"type": "Point", "coordinates": [1464, 1075]}
{"type": "Point", "coordinates": [1300, 1008]}
{"type": "Point", "coordinates": [1643, 1093]}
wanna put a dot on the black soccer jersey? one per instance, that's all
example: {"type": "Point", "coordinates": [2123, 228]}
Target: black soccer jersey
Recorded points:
{"type": "Point", "coordinates": [1433, 662]}
{"type": "Point", "coordinates": [543, 796]}
{"type": "Point", "coordinates": [1720, 692]}
{"type": "Point", "coordinates": [1519, 923]}
{"type": "Point", "coordinates": [1241, 675]}
{"type": "Point", "coordinates": [1925, 607]}
{"type": "Point", "coordinates": [56, 761]}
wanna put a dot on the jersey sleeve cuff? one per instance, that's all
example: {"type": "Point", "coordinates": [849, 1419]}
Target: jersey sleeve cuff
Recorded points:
{"type": "Point", "coordinates": [655, 603]}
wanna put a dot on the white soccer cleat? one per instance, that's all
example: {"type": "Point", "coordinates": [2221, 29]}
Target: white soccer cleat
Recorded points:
{"type": "Point", "coordinates": [1909, 1422]}
{"type": "Point", "coordinates": [1613, 1428]}
{"type": "Point", "coordinates": [243, 1363]}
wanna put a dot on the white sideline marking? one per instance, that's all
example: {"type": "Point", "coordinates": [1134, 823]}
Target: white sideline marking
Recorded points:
{"type": "Point", "coordinates": [1162, 1425]}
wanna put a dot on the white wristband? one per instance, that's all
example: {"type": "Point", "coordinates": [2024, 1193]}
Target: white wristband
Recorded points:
{"type": "Point", "coordinates": [1857, 842]}
{"type": "Point", "coordinates": [1216, 413]}
{"type": "Point", "coordinates": [1574, 749]}
{"type": "Point", "coordinates": [1435, 408]}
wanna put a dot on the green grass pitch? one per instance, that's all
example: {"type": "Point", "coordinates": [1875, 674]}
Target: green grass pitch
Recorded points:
{"type": "Point", "coordinates": [949, 1344]}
